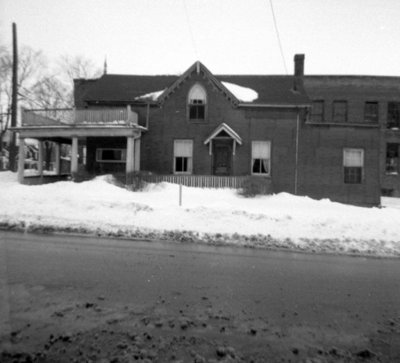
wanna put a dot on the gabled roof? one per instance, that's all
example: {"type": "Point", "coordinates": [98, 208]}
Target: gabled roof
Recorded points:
{"type": "Point", "coordinates": [271, 90]}
{"type": "Point", "coordinates": [198, 67]}
{"type": "Point", "coordinates": [125, 88]}
{"type": "Point", "coordinates": [224, 127]}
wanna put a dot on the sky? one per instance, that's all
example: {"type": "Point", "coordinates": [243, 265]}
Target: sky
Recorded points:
{"type": "Point", "coordinates": [227, 36]}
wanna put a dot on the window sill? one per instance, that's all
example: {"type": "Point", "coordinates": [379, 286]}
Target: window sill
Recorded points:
{"type": "Point", "coordinates": [262, 175]}
{"type": "Point", "coordinates": [394, 173]}
{"type": "Point", "coordinates": [111, 161]}
{"type": "Point", "coordinates": [197, 120]}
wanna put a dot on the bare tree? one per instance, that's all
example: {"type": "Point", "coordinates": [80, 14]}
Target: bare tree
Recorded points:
{"type": "Point", "coordinates": [40, 86]}
{"type": "Point", "coordinates": [79, 67]}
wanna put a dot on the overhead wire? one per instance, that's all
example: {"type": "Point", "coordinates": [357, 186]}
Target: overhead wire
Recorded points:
{"type": "Point", "coordinates": [278, 37]}
{"type": "Point", "coordinates": [190, 30]}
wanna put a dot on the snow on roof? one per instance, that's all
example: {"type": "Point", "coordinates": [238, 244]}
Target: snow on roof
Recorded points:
{"type": "Point", "coordinates": [243, 94]}
{"type": "Point", "coordinates": [152, 96]}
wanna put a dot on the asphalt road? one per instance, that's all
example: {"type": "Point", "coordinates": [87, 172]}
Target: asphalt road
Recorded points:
{"type": "Point", "coordinates": [294, 306]}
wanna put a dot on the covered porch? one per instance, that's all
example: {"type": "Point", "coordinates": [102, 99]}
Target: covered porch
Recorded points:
{"type": "Point", "coordinates": [75, 131]}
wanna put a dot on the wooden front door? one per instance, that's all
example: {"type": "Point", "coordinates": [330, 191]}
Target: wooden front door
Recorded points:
{"type": "Point", "coordinates": [222, 157]}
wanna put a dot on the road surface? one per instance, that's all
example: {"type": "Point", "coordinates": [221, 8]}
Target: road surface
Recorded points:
{"type": "Point", "coordinates": [66, 298]}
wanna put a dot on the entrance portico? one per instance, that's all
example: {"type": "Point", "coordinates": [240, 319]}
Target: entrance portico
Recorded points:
{"type": "Point", "coordinates": [222, 148]}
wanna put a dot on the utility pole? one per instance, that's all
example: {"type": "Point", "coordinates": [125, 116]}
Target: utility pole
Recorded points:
{"type": "Point", "coordinates": [14, 101]}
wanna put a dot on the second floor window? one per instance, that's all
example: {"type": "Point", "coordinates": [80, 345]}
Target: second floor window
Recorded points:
{"type": "Point", "coordinates": [339, 111]}
{"type": "Point", "coordinates": [197, 103]}
{"type": "Point", "coordinates": [393, 115]}
{"type": "Point", "coordinates": [317, 111]}
{"type": "Point", "coordinates": [371, 112]}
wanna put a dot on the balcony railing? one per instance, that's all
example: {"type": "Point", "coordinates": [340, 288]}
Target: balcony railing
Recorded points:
{"type": "Point", "coordinates": [54, 117]}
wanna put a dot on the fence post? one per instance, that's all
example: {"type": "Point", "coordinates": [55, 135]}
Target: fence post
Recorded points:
{"type": "Point", "coordinates": [180, 194]}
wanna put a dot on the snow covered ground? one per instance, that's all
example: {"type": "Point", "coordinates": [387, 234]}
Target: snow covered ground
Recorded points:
{"type": "Point", "coordinates": [214, 216]}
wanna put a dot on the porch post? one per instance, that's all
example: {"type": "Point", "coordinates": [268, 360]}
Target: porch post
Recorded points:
{"type": "Point", "coordinates": [130, 159]}
{"type": "Point", "coordinates": [137, 155]}
{"type": "Point", "coordinates": [57, 158]}
{"type": "Point", "coordinates": [74, 158]}
{"type": "Point", "coordinates": [40, 158]}
{"type": "Point", "coordinates": [21, 160]}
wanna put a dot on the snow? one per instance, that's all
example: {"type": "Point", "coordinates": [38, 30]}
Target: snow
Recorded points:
{"type": "Point", "coordinates": [153, 96]}
{"type": "Point", "coordinates": [243, 94]}
{"type": "Point", "coordinates": [215, 216]}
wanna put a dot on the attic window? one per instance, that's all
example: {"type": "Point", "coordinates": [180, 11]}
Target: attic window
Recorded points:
{"type": "Point", "coordinates": [197, 102]}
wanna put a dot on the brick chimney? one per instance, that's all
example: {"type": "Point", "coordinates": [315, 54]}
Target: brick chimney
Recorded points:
{"type": "Point", "coordinates": [298, 71]}
{"type": "Point", "coordinates": [299, 65]}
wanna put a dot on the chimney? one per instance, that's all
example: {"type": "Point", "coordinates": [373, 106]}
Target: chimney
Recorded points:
{"type": "Point", "coordinates": [299, 65]}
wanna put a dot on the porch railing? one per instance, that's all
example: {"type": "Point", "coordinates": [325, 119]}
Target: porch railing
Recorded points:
{"type": "Point", "coordinates": [49, 117]}
{"type": "Point", "coordinates": [199, 181]}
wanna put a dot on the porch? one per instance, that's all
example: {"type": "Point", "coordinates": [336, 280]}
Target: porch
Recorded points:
{"type": "Point", "coordinates": [53, 129]}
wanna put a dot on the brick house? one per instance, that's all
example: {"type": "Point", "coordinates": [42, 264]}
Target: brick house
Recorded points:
{"type": "Point", "coordinates": [299, 134]}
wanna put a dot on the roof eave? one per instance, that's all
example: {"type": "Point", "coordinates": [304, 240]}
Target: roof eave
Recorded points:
{"type": "Point", "coordinates": [274, 105]}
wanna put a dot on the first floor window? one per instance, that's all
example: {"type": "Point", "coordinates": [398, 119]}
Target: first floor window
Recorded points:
{"type": "Point", "coordinates": [392, 158]}
{"type": "Point", "coordinates": [183, 156]}
{"type": "Point", "coordinates": [111, 155]}
{"type": "Point", "coordinates": [260, 157]}
{"type": "Point", "coordinates": [353, 162]}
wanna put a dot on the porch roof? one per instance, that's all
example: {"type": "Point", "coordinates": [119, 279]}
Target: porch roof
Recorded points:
{"type": "Point", "coordinates": [43, 132]}
{"type": "Point", "coordinates": [224, 127]}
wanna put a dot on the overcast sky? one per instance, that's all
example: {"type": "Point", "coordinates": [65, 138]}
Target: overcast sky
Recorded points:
{"type": "Point", "coordinates": [228, 36]}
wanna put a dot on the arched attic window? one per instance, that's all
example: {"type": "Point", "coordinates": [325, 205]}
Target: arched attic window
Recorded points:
{"type": "Point", "coordinates": [197, 103]}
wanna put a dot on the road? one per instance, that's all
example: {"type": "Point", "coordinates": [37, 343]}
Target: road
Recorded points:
{"type": "Point", "coordinates": [89, 299]}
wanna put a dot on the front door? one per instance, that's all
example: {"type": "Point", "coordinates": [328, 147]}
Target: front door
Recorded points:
{"type": "Point", "coordinates": [222, 157]}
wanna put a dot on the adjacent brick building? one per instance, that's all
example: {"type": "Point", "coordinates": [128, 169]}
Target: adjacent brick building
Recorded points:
{"type": "Point", "coordinates": [322, 136]}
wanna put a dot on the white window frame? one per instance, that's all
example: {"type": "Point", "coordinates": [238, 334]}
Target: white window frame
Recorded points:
{"type": "Point", "coordinates": [186, 154]}
{"type": "Point", "coordinates": [99, 158]}
{"type": "Point", "coordinates": [348, 163]}
{"type": "Point", "coordinates": [266, 157]}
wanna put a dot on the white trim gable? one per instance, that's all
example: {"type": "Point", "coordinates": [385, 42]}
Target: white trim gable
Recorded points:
{"type": "Point", "coordinates": [224, 127]}
{"type": "Point", "coordinates": [198, 68]}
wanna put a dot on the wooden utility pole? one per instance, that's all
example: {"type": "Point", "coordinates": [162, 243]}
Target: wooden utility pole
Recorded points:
{"type": "Point", "coordinates": [14, 101]}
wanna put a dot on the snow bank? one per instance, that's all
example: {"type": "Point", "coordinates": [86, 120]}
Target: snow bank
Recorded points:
{"type": "Point", "coordinates": [206, 215]}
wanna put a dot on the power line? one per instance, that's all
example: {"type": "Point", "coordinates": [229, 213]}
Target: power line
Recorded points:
{"type": "Point", "coordinates": [190, 30]}
{"type": "Point", "coordinates": [278, 37]}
